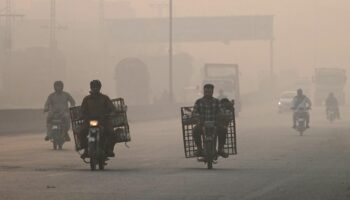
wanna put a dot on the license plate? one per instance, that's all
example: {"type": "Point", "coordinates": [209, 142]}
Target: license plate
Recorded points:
{"type": "Point", "coordinates": [54, 127]}
{"type": "Point", "coordinates": [91, 139]}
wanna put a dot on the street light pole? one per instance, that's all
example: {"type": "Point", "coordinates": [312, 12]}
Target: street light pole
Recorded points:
{"type": "Point", "coordinates": [171, 93]}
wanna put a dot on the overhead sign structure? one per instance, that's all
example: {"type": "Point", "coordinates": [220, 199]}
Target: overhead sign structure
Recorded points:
{"type": "Point", "coordinates": [191, 29]}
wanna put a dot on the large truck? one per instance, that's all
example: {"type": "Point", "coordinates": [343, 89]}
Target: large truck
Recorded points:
{"type": "Point", "coordinates": [327, 80]}
{"type": "Point", "coordinates": [225, 78]}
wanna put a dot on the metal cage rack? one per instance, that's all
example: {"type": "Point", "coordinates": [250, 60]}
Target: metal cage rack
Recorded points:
{"type": "Point", "coordinates": [120, 123]}
{"type": "Point", "coordinates": [188, 123]}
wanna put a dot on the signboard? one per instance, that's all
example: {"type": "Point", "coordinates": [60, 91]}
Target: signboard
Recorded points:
{"type": "Point", "coordinates": [191, 29]}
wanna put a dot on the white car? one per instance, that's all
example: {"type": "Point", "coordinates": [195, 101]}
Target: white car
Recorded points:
{"type": "Point", "coordinates": [285, 101]}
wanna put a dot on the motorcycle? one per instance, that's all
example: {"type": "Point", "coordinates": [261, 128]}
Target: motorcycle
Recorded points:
{"type": "Point", "coordinates": [331, 115]}
{"type": "Point", "coordinates": [209, 138]}
{"type": "Point", "coordinates": [96, 145]}
{"type": "Point", "coordinates": [57, 131]}
{"type": "Point", "coordinates": [97, 142]}
{"type": "Point", "coordinates": [301, 120]}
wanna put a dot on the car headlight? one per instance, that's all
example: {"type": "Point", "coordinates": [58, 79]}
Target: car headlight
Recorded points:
{"type": "Point", "coordinates": [93, 123]}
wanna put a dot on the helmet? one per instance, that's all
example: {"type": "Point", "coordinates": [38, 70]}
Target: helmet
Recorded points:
{"type": "Point", "coordinates": [209, 86]}
{"type": "Point", "coordinates": [300, 91]}
{"type": "Point", "coordinates": [58, 84]}
{"type": "Point", "coordinates": [95, 83]}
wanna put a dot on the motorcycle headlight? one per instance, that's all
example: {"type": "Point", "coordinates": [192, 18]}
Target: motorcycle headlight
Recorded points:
{"type": "Point", "coordinates": [54, 127]}
{"type": "Point", "coordinates": [93, 123]}
{"type": "Point", "coordinates": [279, 103]}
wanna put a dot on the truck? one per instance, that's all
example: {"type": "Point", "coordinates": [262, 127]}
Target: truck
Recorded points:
{"type": "Point", "coordinates": [225, 78]}
{"type": "Point", "coordinates": [327, 80]}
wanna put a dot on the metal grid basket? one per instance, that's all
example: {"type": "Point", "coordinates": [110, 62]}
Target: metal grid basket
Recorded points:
{"type": "Point", "coordinates": [188, 123]}
{"type": "Point", "coordinates": [120, 123]}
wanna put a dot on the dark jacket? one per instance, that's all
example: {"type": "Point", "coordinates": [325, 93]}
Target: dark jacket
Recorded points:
{"type": "Point", "coordinates": [97, 107]}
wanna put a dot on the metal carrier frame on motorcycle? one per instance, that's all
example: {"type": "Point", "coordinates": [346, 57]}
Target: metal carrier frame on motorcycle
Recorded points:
{"type": "Point", "coordinates": [120, 123]}
{"type": "Point", "coordinates": [188, 123]}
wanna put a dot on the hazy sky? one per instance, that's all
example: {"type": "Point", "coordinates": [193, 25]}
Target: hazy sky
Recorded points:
{"type": "Point", "coordinates": [308, 33]}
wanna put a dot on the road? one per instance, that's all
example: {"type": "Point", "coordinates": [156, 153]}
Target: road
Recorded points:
{"type": "Point", "coordinates": [273, 162]}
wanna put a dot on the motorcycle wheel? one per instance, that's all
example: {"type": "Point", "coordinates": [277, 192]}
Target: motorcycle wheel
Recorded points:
{"type": "Point", "coordinates": [210, 164]}
{"type": "Point", "coordinates": [60, 147]}
{"type": "Point", "coordinates": [92, 154]}
{"type": "Point", "coordinates": [101, 164]}
{"type": "Point", "coordinates": [210, 156]}
{"type": "Point", "coordinates": [301, 133]}
{"type": "Point", "coordinates": [54, 145]}
{"type": "Point", "coordinates": [92, 164]}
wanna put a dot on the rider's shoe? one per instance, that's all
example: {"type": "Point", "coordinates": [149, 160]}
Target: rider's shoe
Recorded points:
{"type": "Point", "coordinates": [110, 154]}
{"type": "Point", "coordinates": [223, 154]}
{"type": "Point", "coordinates": [198, 153]}
{"type": "Point", "coordinates": [47, 138]}
{"type": "Point", "coordinates": [84, 155]}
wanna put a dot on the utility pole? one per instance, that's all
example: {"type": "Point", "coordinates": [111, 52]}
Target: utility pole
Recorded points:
{"type": "Point", "coordinates": [6, 52]}
{"type": "Point", "coordinates": [101, 33]}
{"type": "Point", "coordinates": [171, 92]}
{"type": "Point", "coordinates": [8, 28]}
{"type": "Point", "coordinates": [53, 41]}
{"type": "Point", "coordinates": [102, 14]}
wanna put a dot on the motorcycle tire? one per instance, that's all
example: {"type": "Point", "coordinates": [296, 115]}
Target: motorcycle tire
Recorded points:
{"type": "Point", "coordinates": [101, 164]}
{"type": "Point", "coordinates": [92, 155]}
{"type": "Point", "coordinates": [54, 145]}
{"type": "Point", "coordinates": [210, 155]}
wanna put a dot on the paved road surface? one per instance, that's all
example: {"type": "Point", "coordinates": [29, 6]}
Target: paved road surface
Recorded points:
{"type": "Point", "coordinates": [274, 162]}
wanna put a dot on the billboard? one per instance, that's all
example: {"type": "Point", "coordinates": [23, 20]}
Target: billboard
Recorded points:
{"type": "Point", "coordinates": [191, 29]}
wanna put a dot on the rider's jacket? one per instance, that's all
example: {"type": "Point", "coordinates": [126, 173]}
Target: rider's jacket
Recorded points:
{"type": "Point", "coordinates": [58, 101]}
{"type": "Point", "coordinates": [207, 108]}
{"type": "Point", "coordinates": [97, 106]}
{"type": "Point", "coordinates": [331, 101]}
{"type": "Point", "coordinates": [301, 102]}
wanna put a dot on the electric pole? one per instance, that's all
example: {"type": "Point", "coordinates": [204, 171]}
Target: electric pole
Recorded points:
{"type": "Point", "coordinates": [6, 51]}
{"type": "Point", "coordinates": [53, 29]}
{"type": "Point", "coordinates": [101, 33]}
{"type": "Point", "coordinates": [171, 92]}
{"type": "Point", "coordinates": [9, 17]}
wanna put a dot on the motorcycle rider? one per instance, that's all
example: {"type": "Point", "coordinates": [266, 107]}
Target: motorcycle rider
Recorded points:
{"type": "Point", "coordinates": [97, 106]}
{"type": "Point", "coordinates": [301, 101]}
{"type": "Point", "coordinates": [208, 108]}
{"type": "Point", "coordinates": [57, 102]}
{"type": "Point", "coordinates": [332, 104]}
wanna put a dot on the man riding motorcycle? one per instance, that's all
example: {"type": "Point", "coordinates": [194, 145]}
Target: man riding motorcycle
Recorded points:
{"type": "Point", "coordinates": [332, 105]}
{"type": "Point", "coordinates": [301, 101]}
{"type": "Point", "coordinates": [57, 102]}
{"type": "Point", "coordinates": [208, 108]}
{"type": "Point", "coordinates": [97, 106]}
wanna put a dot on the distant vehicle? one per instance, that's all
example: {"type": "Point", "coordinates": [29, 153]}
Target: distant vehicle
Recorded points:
{"type": "Point", "coordinates": [331, 115]}
{"type": "Point", "coordinates": [285, 101]}
{"type": "Point", "coordinates": [57, 131]}
{"type": "Point", "coordinates": [224, 77]}
{"type": "Point", "coordinates": [328, 80]}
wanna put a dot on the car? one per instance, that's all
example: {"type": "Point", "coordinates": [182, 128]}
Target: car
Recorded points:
{"type": "Point", "coordinates": [285, 101]}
